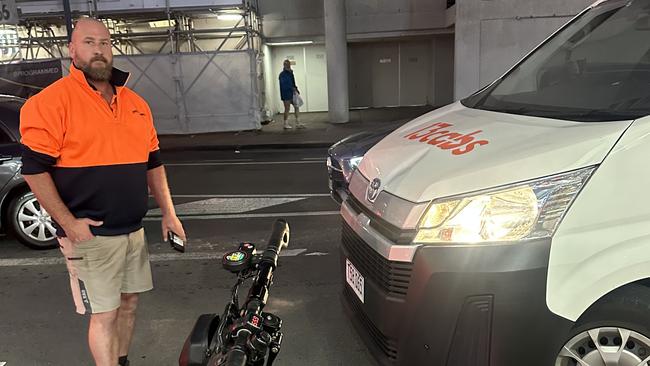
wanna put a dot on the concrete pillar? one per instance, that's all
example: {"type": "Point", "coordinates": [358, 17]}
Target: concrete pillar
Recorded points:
{"type": "Point", "coordinates": [270, 82]}
{"type": "Point", "coordinates": [337, 61]}
{"type": "Point", "coordinates": [467, 55]}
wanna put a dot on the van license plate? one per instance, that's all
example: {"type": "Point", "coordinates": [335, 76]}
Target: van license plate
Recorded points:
{"type": "Point", "coordinates": [354, 279]}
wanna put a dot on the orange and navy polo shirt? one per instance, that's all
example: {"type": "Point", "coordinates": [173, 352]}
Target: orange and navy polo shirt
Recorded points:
{"type": "Point", "coordinates": [97, 154]}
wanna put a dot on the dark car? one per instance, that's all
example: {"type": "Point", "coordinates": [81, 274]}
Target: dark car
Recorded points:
{"type": "Point", "coordinates": [344, 156]}
{"type": "Point", "coordinates": [20, 212]}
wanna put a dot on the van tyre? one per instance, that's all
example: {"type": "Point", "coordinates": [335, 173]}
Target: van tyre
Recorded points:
{"type": "Point", "coordinates": [30, 223]}
{"type": "Point", "coordinates": [614, 331]}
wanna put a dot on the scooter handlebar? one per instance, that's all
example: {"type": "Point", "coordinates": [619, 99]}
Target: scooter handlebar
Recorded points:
{"type": "Point", "coordinates": [279, 240]}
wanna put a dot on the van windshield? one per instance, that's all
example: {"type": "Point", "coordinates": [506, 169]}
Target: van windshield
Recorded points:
{"type": "Point", "coordinates": [597, 68]}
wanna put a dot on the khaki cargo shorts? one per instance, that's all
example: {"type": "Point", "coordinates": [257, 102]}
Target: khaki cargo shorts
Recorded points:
{"type": "Point", "coordinates": [105, 267]}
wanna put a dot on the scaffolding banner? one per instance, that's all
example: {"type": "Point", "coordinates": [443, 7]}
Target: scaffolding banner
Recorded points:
{"type": "Point", "coordinates": [28, 78]}
{"type": "Point", "coordinates": [196, 92]}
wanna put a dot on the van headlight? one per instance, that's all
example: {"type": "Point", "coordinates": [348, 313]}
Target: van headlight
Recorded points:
{"type": "Point", "coordinates": [349, 166]}
{"type": "Point", "coordinates": [528, 210]}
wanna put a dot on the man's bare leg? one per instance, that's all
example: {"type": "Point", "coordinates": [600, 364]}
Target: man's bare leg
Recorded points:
{"type": "Point", "coordinates": [102, 338]}
{"type": "Point", "coordinates": [126, 322]}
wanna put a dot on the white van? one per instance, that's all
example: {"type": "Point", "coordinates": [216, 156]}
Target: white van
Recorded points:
{"type": "Point", "coordinates": [513, 227]}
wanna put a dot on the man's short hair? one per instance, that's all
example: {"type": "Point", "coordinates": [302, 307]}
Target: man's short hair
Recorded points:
{"type": "Point", "coordinates": [84, 18]}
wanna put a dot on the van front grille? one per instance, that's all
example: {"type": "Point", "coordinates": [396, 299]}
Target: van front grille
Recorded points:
{"type": "Point", "coordinates": [392, 277]}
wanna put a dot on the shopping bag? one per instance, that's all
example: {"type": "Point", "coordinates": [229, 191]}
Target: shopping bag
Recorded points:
{"type": "Point", "coordinates": [297, 100]}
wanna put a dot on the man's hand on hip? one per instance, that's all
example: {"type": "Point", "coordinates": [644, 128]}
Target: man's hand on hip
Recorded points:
{"type": "Point", "coordinates": [79, 229]}
{"type": "Point", "coordinates": [172, 223]}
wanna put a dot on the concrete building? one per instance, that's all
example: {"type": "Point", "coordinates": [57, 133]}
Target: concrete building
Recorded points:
{"type": "Point", "coordinates": [410, 52]}
{"type": "Point", "coordinates": [365, 54]}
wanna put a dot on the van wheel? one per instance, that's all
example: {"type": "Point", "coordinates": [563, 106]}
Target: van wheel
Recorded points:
{"type": "Point", "coordinates": [31, 224]}
{"type": "Point", "coordinates": [614, 331]}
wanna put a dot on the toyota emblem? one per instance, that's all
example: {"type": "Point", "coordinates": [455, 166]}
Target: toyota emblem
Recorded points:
{"type": "Point", "coordinates": [373, 190]}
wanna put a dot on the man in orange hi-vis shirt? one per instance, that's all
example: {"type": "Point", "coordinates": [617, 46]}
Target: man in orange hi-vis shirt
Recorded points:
{"type": "Point", "coordinates": [90, 151]}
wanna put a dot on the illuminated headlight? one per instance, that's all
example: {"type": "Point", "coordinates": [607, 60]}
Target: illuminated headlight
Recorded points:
{"type": "Point", "coordinates": [529, 210]}
{"type": "Point", "coordinates": [349, 166]}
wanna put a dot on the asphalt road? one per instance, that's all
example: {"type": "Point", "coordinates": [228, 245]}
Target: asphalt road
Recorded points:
{"type": "Point", "coordinates": [222, 198]}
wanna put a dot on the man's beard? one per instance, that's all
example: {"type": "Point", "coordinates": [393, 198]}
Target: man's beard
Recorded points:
{"type": "Point", "coordinates": [98, 73]}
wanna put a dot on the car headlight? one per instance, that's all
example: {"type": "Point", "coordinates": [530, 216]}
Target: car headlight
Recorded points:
{"type": "Point", "coordinates": [349, 166]}
{"type": "Point", "coordinates": [529, 210]}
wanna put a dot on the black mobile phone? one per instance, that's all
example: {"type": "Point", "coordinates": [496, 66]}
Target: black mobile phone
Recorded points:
{"type": "Point", "coordinates": [176, 242]}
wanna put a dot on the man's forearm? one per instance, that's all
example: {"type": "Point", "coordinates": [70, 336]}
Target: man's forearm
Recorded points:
{"type": "Point", "coordinates": [157, 180]}
{"type": "Point", "coordinates": [43, 187]}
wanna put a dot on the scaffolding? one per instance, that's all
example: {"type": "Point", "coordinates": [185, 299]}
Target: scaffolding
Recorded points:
{"type": "Point", "coordinates": [175, 31]}
{"type": "Point", "coordinates": [198, 68]}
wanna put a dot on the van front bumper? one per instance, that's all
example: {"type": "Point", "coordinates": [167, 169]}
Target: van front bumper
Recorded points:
{"type": "Point", "coordinates": [455, 306]}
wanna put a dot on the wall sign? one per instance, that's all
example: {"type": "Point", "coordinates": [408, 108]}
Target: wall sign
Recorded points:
{"type": "Point", "coordinates": [8, 12]}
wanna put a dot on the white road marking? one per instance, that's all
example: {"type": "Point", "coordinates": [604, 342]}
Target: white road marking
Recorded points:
{"type": "Point", "coordinates": [160, 257]}
{"type": "Point", "coordinates": [249, 163]}
{"type": "Point", "coordinates": [292, 252]}
{"type": "Point", "coordinates": [249, 216]}
{"type": "Point", "coordinates": [298, 195]}
{"type": "Point", "coordinates": [317, 254]}
{"type": "Point", "coordinates": [218, 205]}
{"type": "Point", "coordinates": [210, 161]}
{"type": "Point", "coordinates": [17, 262]}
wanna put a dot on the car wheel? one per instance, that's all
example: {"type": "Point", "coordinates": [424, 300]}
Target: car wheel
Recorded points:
{"type": "Point", "coordinates": [615, 331]}
{"type": "Point", "coordinates": [31, 224]}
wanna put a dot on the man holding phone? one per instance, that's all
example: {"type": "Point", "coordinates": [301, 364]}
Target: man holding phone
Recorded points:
{"type": "Point", "coordinates": [90, 155]}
